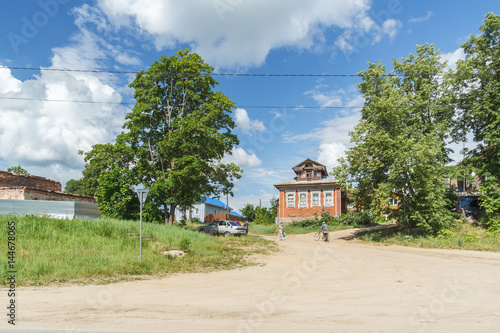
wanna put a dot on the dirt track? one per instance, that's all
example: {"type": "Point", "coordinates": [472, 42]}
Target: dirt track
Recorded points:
{"type": "Point", "coordinates": [309, 286]}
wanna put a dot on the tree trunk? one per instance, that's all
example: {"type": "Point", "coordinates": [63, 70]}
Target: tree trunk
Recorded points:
{"type": "Point", "coordinates": [165, 208]}
{"type": "Point", "coordinates": [171, 217]}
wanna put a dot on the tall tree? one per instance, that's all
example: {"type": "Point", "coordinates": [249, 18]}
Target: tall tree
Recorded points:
{"type": "Point", "coordinates": [400, 141]}
{"type": "Point", "coordinates": [477, 83]}
{"type": "Point", "coordinates": [178, 132]}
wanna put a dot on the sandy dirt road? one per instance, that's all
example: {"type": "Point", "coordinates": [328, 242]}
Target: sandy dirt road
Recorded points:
{"type": "Point", "coordinates": [341, 286]}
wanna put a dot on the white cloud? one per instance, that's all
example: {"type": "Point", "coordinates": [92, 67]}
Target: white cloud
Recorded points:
{"type": "Point", "coordinates": [241, 33]}
{"type": "Point", "coordinates": [243, 159]}
{"type": "Point", "coordinates": [43, 133]}
{"type": "Point", "coordinates": [329, 153]}
{"type": "Point", "coordinates": [453, 57]}
{"type": "Point", "coordinates": [421, 19]}
{"type": "Point", "coordinates": [246, 125]}
{"type": "Point", "coordinates": [9, 84]}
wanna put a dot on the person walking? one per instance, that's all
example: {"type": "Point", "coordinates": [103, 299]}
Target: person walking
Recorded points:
{"type": "Point", "coordinates": [280, 232]}
{"type": "Point", "coordinates": [246, 225]}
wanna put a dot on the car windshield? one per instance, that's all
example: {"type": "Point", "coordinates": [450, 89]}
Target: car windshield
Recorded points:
{"type": "Point", "coordinates": [233, 223]}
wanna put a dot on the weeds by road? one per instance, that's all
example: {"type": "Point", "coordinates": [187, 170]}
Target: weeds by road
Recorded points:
{"type": "Point", "coordinates": [81, 251]}
{"type": "Point", "coordinates": [462, 236]}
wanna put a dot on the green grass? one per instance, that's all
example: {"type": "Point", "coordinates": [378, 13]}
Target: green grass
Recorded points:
{"type": "Point", "coordinates": [461, 236]}
{"type": "Point", "coordinates": [82, 251]}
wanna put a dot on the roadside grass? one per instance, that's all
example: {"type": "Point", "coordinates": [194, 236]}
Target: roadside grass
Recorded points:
{"type": "Point", "coordinates": [463, 236]}
{"type": "Point", "coordinates": [99, 251]}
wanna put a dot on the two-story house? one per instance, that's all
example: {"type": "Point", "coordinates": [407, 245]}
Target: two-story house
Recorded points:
{"type": "Point", "coordinates": [305, 195]}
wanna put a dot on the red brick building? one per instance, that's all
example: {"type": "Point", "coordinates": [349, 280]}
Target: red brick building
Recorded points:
{"type": "Point", "coordinates": [26, 187]}
{"type": "Point", "coordinates": [307, 193]}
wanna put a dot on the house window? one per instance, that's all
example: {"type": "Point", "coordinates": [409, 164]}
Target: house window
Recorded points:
{"type": "Point", "coordinates": [308, 175]}
{"type": "Point", "coordinates": [290, 199]}
{"type": "Point", "coordinates": [315, 199]}
{"type": "Point", "coordinates": [329, 198]}
{"type": "Point", "coordinates": [315, 173]}
{"type": "Point", "coordinates": [196, 211]}
{"type": "Point", "coordinates": [303, 199]}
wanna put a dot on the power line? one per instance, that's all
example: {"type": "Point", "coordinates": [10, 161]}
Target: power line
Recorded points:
{"type": "Point", "coordinates": [130, 103]}
{"type": "Point", "coordinates": [213, 74]}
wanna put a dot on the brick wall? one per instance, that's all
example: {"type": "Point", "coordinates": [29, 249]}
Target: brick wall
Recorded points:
{"type": "Point", "coordinates": [309, 211]}
{"type": "Point", "coordinates": [26, 193]}
{"type": "Point", "coordinates": [8, 179]}
{"type": "Point", "coordinates": [12, 193]}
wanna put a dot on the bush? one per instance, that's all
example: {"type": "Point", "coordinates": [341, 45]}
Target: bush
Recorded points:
{"type": "Point", "coordinates": [355, 218]}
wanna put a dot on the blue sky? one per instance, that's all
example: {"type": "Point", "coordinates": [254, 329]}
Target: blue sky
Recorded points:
{"type": "Point", "coordinates": [315, 37]}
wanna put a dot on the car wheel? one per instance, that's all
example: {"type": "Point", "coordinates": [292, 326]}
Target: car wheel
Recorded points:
{"type": "Point", "coordinates": [227, 234]}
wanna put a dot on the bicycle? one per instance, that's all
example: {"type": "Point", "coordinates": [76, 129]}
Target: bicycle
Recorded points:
{"type": "Point", "coordinates": [320, 235]}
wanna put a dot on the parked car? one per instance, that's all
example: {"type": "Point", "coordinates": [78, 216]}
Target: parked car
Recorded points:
{"type": "Point", "coordinates": [469, 205]}
{"type": "Point", "coordinates": [223, 227]}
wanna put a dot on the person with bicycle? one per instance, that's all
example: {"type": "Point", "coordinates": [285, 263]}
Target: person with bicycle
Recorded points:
{"type": "Point", "coordinates": [324, 227]}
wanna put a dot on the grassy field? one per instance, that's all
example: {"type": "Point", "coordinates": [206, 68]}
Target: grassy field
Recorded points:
{"type": "Point", "coordinates": [81, 251]}
{"type": "Point", "coordinates": [462, 236]}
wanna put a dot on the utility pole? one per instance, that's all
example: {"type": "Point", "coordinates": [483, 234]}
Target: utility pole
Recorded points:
{"type": "Point", "coordinates": [227, 206]}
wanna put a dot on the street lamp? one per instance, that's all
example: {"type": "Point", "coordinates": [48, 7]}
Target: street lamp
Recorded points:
{"type": "Point", "coordinates": [142, 193]}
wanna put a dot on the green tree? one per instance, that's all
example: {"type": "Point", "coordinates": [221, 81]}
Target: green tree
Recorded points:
{"type": "Point", "coordinates": [477, 83]}
{"type": "Point", "coordinates": [248, 212]}
{"type": "Point", "coordinates": [263, 216]}
{"type": "Point", "coordinates": [399, 143]}
{"type": "Point", "coordinates": [19, 170]}
{"type": "Point", "coordinates": [115, 195]}
{"type": "Point", "coordinates": [176, 134]}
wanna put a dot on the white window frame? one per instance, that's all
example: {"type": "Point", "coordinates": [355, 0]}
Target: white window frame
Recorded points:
{"type": "Point", "coordinates": [292, 194]}
{"type": "Point", "coordinates": [196, 211]}
{"type": "Point", "coordinates": [318, 204]}
{"type": "Point", "coordinates": [303, 205]}
{"type": "Point", "coordinates": [325, 203]}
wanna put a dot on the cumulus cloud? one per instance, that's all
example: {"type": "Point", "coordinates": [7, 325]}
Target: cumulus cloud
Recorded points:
{"type": "Point", "coordinates": [330, 152]}
{"type": "Point", "coordinates": [242, 33]}
{"type": "Point", "coordinates": [453, 57]}
{"type": "Point", "coordinates": [37, 130]}
{"type": "Point", "coordinates": [331, 137]}
{"type": "Point", "coordinates": [246, 125]}
{"type": "Point", "coordinates": [243, 159]}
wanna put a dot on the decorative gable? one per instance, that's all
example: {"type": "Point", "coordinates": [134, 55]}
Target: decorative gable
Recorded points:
{"type": "Point", "coordinates": [310, 170]}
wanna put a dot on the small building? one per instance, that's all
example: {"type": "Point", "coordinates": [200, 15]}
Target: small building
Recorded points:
{"type": "Point", "coordinates": [209, 210]}
{"type": "Point", "coordinates": [308, 193]}
{"type": "Point", "coordinates": [28, 194]}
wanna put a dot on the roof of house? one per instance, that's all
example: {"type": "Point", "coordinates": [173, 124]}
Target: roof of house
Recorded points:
{"type": "Point", "coordinates": [294, 182]}
{"type": "Point", "coordinates": [315, 166]}
{"type": "Point", "coordinates": [215, 202]}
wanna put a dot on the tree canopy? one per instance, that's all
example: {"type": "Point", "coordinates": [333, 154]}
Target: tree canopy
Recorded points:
{"type": "Point", "coordinates": [399, 143]}
{"type": "Point", "coordinates": [477, 92]}
{"type": "Point", "coordinates": [174, 138]}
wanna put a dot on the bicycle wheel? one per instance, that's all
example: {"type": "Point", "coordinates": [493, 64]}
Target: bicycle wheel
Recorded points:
{"type": "Point", "coordinates": [317, 236]}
